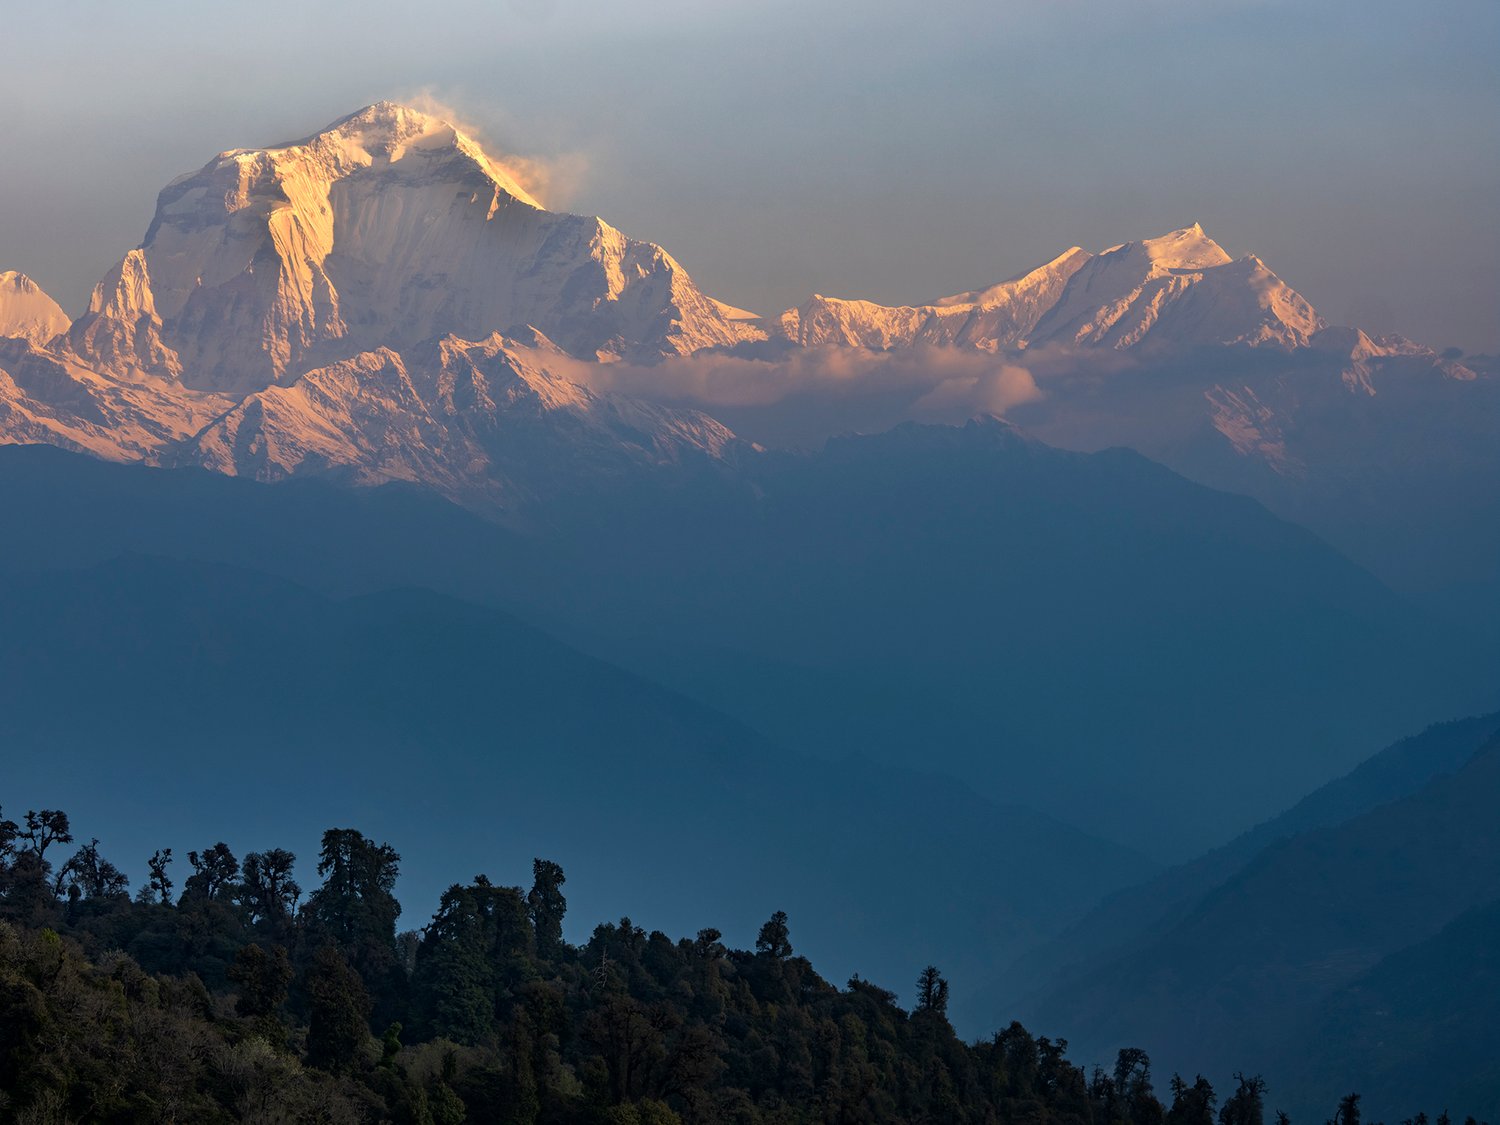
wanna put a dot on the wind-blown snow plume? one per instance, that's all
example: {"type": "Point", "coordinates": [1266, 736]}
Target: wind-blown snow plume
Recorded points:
{"type": "Point", "coordinates": [554, 180]}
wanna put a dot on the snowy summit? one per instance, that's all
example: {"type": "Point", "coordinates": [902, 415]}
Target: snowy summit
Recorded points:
{"type": "Point", "coordinates": [387, 227]}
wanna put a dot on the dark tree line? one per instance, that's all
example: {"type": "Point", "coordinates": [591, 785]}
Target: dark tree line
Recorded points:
{"type": "Point", "coordinates": [239, 1000]}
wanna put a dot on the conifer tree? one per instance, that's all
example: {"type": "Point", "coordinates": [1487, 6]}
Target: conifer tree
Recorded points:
{"type": "Point", "coordinates": [338, 1011]}
{"type": "Point", "coordinates": [547, 906]}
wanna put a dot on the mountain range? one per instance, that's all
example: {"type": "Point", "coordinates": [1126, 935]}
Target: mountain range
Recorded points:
{"type": "Point", "coordinates": [384, 301]}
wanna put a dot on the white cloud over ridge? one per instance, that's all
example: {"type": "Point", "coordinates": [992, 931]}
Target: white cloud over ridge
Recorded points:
{"type": "Point", "coordinates": [803, 394]}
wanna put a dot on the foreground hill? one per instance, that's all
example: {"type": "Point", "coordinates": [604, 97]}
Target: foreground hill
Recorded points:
{"type": "Point", "coordinates": [237, 1000]}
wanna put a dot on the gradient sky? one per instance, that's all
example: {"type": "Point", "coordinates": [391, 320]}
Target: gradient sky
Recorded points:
{"type": "Point", "coordinates": [878, 149]}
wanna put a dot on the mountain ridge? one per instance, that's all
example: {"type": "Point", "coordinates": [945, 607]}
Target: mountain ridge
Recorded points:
{"type": "Point", "coordinates": [1115, 299]}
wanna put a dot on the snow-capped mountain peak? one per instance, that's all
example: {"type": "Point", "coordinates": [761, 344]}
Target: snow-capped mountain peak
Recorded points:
{"type": "Point", "coordinates": [1000, 316]}
{"type": "Point", "coordinates": [1180, 290]}
{"type": "Point", "coordinates": [387, 227]}
{"type": "Point", "coordinates": [391, 131]}
{"type": "Point", "coordinates": [28, 312]}
{"type": "Point", "coordinates": [383, 133]}
{"type": "Point", "coordinates": [1186, 249]}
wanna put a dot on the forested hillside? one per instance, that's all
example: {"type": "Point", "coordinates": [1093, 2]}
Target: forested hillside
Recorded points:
{"type": "Point", "coordinates": [235, 997]}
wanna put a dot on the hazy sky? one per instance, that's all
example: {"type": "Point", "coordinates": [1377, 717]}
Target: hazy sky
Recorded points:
{"type": "Point", "coordinates": [895, 151]}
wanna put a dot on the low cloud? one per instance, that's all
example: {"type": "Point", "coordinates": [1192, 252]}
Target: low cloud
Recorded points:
{"type": "Point", "coordinates": [992, 391]}
{"type": "Point", "coordinates": [805, 394]}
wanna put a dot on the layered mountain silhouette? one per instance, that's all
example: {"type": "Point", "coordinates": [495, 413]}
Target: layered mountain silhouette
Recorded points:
{"type": "Point", "coordinates": [1356, 920]}
{"type": "Point", "coordinates": [1420, 1024]}
{"type": "Point", "coordinates": [936, 594]}
{"type": "Point", "coordinates": [1138, 915]}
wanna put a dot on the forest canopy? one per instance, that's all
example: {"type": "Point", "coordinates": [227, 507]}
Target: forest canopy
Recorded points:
{"type": "Point", "coordinates": [239, 998]}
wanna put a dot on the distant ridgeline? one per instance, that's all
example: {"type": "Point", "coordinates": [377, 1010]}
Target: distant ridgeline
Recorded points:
{"type": "Point", "coordinates": [237, 1000]}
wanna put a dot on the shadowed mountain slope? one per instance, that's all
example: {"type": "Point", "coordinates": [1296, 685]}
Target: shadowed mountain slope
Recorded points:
{"type": "Point", "coordinates": [1243, 979]}
{"type": "Point", "coordinates": [1132, 918]}
{"type": "Point", "coordinates": [1417, 1029]}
